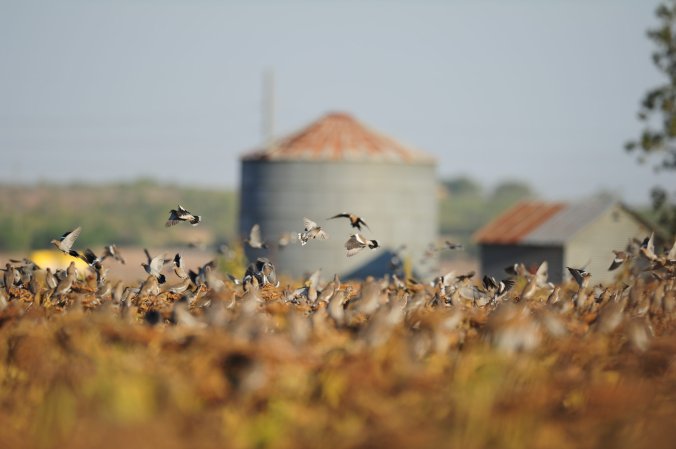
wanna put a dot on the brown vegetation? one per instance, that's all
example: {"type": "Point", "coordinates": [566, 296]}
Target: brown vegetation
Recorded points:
{"type": "Point", "coordinates": [399, 367]}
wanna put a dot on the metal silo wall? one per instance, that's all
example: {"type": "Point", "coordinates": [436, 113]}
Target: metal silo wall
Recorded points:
{"type": "Point", "coordinates": [398, 201]}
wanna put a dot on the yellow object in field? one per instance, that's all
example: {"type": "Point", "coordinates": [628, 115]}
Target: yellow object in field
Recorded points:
{"type": "Point", "coordinates": [45, 258]}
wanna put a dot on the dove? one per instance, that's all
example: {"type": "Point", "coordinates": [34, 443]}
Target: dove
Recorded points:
{"type": "Point", "coordinates": [255, 240]}
{"type": "Point", "coordinates": [149, 287]}
{"type": "Point", "coordinates": [113, 252]}
{"type": "Point", "coordinates": [66, 241]}
{"type": "Point", "coordinates": [355, 221]}
{"type": "Point", "coordinates": [285, 239]}
{"type": "Point", "coordinates": [647, 248]}
{"type": "Point", "coordinates": [581, 276]}
{"type": "Point", "coordinates": [154, 266]}
{"type": "Point", "coordinates": [11, 277]}
{"type": "Point", "coordinates": [264, 272]}
{"type": "Point", "coordinates": [312, 231]}
{"type": "Point", "coordinates": [181, 214]}
{"type": "Point", "coordinates": [178, 267]}
{"type": "Point", "coordinates": [358, 242]}
{"type": "Point", "coordinates": [452, 246]}
{"type": "Point", "coordinates": [620, 258]}
{"type": "Point", "coordinates": [66, 283]}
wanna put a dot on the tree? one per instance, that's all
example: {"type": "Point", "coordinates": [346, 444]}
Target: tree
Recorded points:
{"type": "Point", "coordinates": [462, 185]}
{"type": "Point", "coordinates": [509, 192]}
{"type": "Point", "coordinates": [658, 113]}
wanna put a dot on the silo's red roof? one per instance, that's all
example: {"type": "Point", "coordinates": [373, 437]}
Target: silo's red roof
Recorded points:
{"type": "Point", "coordinates": [338, 136]}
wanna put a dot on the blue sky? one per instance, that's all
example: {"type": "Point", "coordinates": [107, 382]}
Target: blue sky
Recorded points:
{"type": "Point", "coordinates": [541, 91]}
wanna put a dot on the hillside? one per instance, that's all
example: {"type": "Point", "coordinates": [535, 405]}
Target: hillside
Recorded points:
{"type": "Point", "coordinates": [126, 214]}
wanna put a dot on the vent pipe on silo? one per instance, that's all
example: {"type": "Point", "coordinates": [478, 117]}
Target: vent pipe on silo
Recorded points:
{"type": "Point", "coordinates": [268, 106]}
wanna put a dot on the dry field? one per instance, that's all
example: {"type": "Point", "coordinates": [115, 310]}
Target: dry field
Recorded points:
{"type": "Point", "coordinates": [378, 364]}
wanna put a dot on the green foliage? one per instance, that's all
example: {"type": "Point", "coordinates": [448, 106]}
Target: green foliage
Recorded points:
{"type": "Point", "coordinates": [665, 213]}
{"type": "Point", "coordinates": [509, 192]}
{"type": "Point", "coordinates": [13, 235]}
{"type": "Point", "coordinates": [125, 214]}
{"type": "Point", "coordinates": [658, 107]}
{"type": "Point", "coordinates": [658, 113]}
{"type": "Point", "coordinates": [462, 186]}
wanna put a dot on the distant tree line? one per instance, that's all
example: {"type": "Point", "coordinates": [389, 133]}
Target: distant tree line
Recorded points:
{"type": "Point", "coordinates": [124, 214]}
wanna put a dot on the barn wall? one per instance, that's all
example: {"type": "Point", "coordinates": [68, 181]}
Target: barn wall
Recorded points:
{"type": "Point", "coordinates": [592, 246]}
{"type": "Point", "coordinates": [494, 259]}
{"type": "Point", "coordinates": [398, 201]}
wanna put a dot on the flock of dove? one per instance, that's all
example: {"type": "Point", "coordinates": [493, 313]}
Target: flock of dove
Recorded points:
{"type": "Point", "coordinates": [239, 343]}
{"type": "Point", "coordinates": [311, 231]}
{"type": "Point", "coordinates": [376, 304]}
{"type": "Point", "coordinates": [45, 284]}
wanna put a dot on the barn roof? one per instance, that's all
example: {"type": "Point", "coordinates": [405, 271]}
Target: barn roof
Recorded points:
{"type": "Point", "coordinates": [513, 225]}
{"type": "Point", "coordinates": [339, 136]}
{"type": "Point", "coordinates": [539, 223]}
{"type": "Point", "coordinates": [572, 218]}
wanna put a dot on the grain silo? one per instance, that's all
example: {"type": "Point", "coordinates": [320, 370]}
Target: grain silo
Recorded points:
{"type": "Point", "coordinates": [335, 165]}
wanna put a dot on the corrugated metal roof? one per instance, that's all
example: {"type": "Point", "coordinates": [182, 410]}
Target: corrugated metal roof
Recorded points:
{"type": "Point", "coordinates": [517, 222]}
{"type": "Point", "coordinates": [539, 223]}
{"type": "Point", "coordinates": [567, 222]}
{"type": "Point", "coordinates": [339, 136]}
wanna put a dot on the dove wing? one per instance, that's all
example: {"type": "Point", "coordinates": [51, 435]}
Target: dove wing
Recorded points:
{"type": "Point", "coordinates": [309, 224]}
{"type": "Point", "coordinates": [69, 238]}
{"type": "Point", "coordinates": [156, 265]}
{"type": "Point", "coordinates": [255, 235]}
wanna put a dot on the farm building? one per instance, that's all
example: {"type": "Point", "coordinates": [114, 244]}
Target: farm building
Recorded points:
{"type": "Point", "coordinates": [337, 165]}
{"type": "Point", "coordinates": [580, 234]}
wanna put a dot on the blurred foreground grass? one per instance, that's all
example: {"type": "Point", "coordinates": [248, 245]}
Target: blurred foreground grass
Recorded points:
{"type": "Point", "coordinates": [83, 377]}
